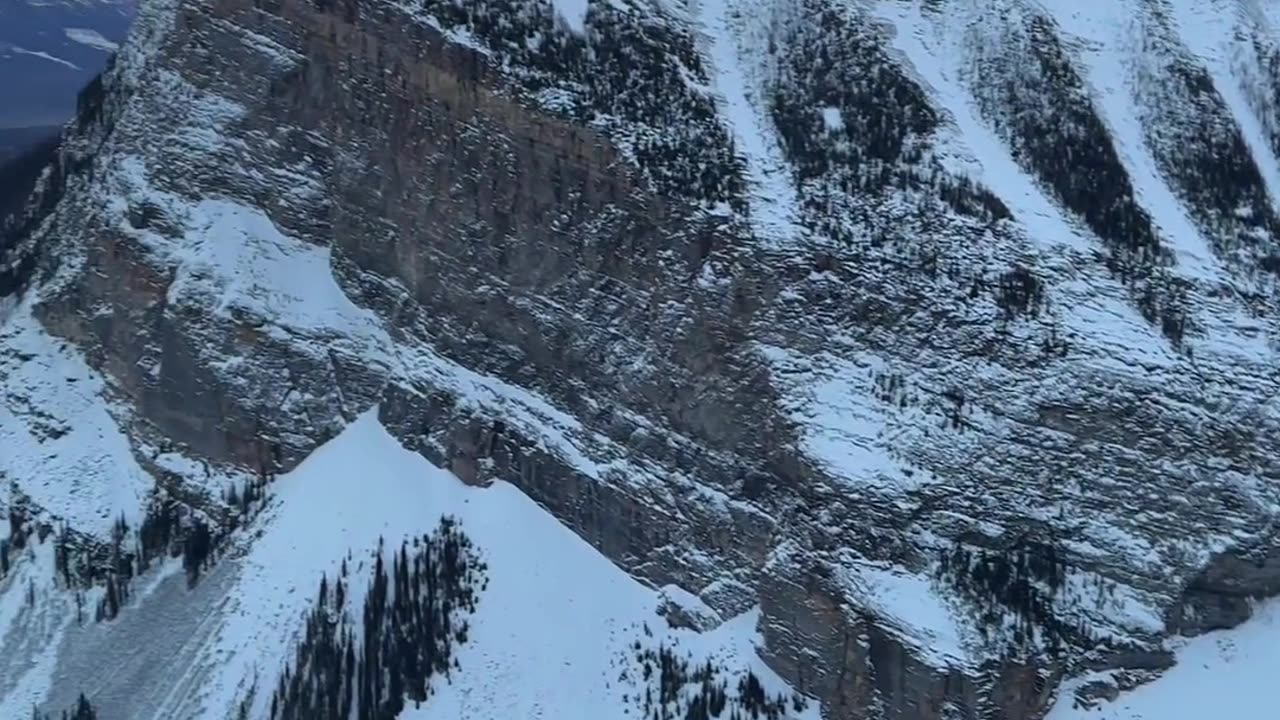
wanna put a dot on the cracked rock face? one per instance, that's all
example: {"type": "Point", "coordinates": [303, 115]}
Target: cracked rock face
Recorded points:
{"type": "Point", "coordinates": [942, 330]}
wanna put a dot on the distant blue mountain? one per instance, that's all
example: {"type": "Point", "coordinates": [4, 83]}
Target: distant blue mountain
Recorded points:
{"type": "Point", "coordinates": [49, 49]}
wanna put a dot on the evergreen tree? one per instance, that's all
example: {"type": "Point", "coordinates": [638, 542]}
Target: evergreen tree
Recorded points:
{"type": "Point", "coordinates": [195, 551]}
{"type": "Point", "coordinates": [407, 633]}
{"type": "Point", "coordinates": [84, 711]}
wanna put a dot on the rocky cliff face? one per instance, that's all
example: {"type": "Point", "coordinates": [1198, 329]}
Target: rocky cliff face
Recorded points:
{"type": "Point", "coordinates": [942, 330]}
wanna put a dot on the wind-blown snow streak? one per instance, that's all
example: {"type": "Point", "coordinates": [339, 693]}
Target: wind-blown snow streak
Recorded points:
{"type": "Point", "coordinates": [17, 50]}
{"type": "Point", "coordinates": [30, 634]}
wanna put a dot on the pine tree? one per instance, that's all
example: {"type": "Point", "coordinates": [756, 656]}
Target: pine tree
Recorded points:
{"type": "Point", "coordinates": [195, 551]}
{"type": "Point", "coordinates": [406, 634]}
{"type": "Point", "coordinates": [84, 711]}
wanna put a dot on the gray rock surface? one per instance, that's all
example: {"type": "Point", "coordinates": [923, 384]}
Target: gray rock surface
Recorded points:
{"type": "Point", "coordinates": [557, 263]}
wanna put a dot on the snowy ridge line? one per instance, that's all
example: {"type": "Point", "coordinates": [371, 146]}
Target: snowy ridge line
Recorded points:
{"type": "Point", "coordinates": [510, 664]}
{"type": "Point", "coordinates": [313, 305]}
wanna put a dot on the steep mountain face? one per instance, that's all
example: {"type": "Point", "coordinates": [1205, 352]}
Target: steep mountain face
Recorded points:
{"type": "Point", "coordinates": [937, 336]}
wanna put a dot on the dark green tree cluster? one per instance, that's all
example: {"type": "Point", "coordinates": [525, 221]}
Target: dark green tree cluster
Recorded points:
{"type": "Point", "coordinates": [158, 530]}
{"type": "Point", "coordinates": [1020, 292]}
{"type": "Point", "coordinates": [1200, 147]}
{"type": "Point", "coordinates": [245, 499]}
{"type": "Point", "coordinates": [19, 537]}
{"type": "Point", "coordinates": [82, 562]}
{"type": "Point", "coordinates": [20, 529]}
{"type": "Point", "coordinates": [171, 529]}
{"type": "Point", "coordinates": [891, 388]}
{"type": "Point", "coordinates": [833, 59]}
{"type": "Point", "coordinates": [677, 689]}
{"type": "Point", "coordinates": [1056, 133]}
{"type": "Point", "coordinates": [197, 547]}
{"type": "Point", "coordinates": [83, 710]}
{"type": "Point", "coordinates": [1015, 587]}
{"type": "Point", "coordinates": [627, 75]}
{"type": "Point", "coordinates": [412, 616]}
{"type": "Point", "coordinates": [168, 529]}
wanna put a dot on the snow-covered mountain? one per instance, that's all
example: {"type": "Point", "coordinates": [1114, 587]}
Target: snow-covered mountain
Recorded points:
{"type": "Point", "coordinates": [904, 359]}
{"type": "Point", "coordinates": [49, 49]}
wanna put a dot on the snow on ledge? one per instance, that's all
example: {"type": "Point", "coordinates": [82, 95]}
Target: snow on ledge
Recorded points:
{"type": "Point", "coordinates": [910, 607]}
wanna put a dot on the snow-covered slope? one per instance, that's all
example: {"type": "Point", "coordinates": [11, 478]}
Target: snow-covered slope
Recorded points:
{"type": "Point", "coordinates": [934, 340]}
{"type": "Point", "coordinates": [60, 435]}
{"type": "Point", "coordinates": [556, 631]}
{"type": "Point", "coordinates": [1221, 674]}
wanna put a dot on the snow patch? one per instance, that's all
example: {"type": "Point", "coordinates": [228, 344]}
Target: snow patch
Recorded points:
{"type": "Point", "coordinates": [774, 204]}
{"type": "Point", "coordinates": [61, 441]}
{"type": "Point", "coordinates": [832, 119]}
{"type": "Point", "coordinates": [233, 256]}
{"type": "Point", "coordinates": [840, 421]}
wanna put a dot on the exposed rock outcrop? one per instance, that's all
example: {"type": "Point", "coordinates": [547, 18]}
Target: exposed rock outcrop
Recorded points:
{"type": "Point", "coordinates": [933, 329]}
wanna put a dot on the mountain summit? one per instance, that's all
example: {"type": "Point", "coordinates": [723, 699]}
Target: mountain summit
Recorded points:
{"type": "Point", "coordinates": [902, 359]}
